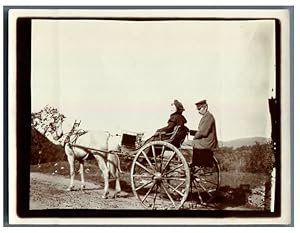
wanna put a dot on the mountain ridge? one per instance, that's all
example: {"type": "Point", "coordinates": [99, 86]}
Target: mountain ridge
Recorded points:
{"type": "Point", "coordinates": [249, 141]}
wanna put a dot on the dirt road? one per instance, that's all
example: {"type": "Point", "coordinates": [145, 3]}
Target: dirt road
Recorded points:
{"type": "Point", "coordinates": [48, 192]}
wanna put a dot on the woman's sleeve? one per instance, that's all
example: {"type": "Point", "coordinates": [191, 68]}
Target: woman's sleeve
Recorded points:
{"type": "Point", "coordinates": [170, 127]}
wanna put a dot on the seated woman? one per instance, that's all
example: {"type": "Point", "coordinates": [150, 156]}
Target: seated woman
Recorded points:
{"type": "Point", "coordinates": [176, 119]}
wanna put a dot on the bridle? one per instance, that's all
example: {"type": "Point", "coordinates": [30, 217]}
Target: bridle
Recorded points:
{"type": "Point", "coordinates": [74, 133]}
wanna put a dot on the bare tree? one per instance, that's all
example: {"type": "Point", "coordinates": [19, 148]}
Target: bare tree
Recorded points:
{"type": "Point", "coordinates": [43, 119]}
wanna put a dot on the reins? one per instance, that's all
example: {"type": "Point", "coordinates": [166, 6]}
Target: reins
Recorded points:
{"type": "Point", "coordinates": [71, 143]}
{"type": "Point", "coordinates": [78, 133]}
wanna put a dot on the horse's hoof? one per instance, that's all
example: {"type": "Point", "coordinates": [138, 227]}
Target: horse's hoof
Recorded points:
{"type": "Point", "coordinates": [104, 196]}
{"type": "Point", "coordinates": [82, 187]}
{"type": "Point", "coordinates": [70, 189]}
{"type": "Point", "coordinates": [116, 195]}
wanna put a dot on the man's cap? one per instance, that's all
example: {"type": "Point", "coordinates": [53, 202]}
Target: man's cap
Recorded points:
{"type": "Point", "coordinates": [200, 103]}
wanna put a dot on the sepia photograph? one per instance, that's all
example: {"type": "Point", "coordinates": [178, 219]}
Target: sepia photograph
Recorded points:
{"type": "Point", "coordinates": [151, 113]}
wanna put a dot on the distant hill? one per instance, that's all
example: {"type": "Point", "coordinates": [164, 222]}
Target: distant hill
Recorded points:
{"type": "Point", "coordinates": [243, 142]}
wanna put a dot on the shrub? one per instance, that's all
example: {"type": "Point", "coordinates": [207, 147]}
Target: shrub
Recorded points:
{"type": "Point", "coordinates": [43, 151]}
{"type": "Point", "coordinates": [258, 158]}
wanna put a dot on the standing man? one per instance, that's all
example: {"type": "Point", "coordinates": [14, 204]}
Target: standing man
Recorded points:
{"type": "Point", "coordinates": [206, 135]}
{"type": "Point", "coordinates": [205, 139]}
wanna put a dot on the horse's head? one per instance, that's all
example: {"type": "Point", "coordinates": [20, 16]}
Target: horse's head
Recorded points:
{"type": "Point", "coordinates": [72, 134]}
{"type": "Point", "coordinates": [75, 125]}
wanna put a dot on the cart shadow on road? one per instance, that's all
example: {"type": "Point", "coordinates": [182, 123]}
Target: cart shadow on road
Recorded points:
{"type": "Point", "coordinates": [226, 198]}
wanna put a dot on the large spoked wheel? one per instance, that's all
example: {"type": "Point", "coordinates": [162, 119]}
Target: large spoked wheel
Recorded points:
{"type": "Point", "coordinates": [205, 181]}
{"type": "Point", "coordinates": [160, 176]}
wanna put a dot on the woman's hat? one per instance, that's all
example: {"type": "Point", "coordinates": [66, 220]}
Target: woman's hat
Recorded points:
{"type": "Point", "coordinates": [178, 106]}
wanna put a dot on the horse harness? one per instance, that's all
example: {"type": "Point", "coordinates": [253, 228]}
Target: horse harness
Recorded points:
{"type": "Point", "coordinates": [71, 140]}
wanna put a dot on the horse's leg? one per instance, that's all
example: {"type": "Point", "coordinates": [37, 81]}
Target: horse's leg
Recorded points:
{"type": "Point", "coordinates": [112, 164]}
{"type": "Point", "coordinates": [102, 166]}
{"type": "Point", "coordinates": [119, 171]}
{"type": "Point", "coordinates": [81, 170]}
{"type": "Point", "coordinates": [118, 185]}
{"type": "Point", "coordinates": [71, 161]}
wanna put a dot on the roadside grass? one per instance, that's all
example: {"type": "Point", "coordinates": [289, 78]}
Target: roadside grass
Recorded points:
{"type": "Point", "coordinates": [92, 172]}
{"type": "Point", "coordinates": [234, 179]}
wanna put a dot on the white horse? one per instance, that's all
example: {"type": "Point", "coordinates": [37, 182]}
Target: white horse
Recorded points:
{"type": "Point", "coordinates": [79, 144]}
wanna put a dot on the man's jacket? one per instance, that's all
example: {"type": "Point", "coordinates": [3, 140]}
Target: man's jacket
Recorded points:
{"type": "Point", "coordinates": [206, 136]}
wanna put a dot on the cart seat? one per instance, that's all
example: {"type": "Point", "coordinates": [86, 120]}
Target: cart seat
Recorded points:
{"type": "Point", "coordinates": [178, 135]}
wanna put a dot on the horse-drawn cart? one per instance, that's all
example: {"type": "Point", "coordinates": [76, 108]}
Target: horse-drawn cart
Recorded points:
{"type": "Point", "coordinates": [165, 174]}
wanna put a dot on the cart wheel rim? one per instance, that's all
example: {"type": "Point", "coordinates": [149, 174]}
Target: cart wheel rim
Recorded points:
{"type": "Point", "coordinates": [160, 176]}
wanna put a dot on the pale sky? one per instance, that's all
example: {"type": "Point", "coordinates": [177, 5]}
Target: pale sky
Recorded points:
{"type": "Point", "coordinates": [123, 75]}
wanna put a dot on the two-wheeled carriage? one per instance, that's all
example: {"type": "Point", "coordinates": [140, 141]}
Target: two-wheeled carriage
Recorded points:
{"type": "Point", "coordinates": [165, 175]}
